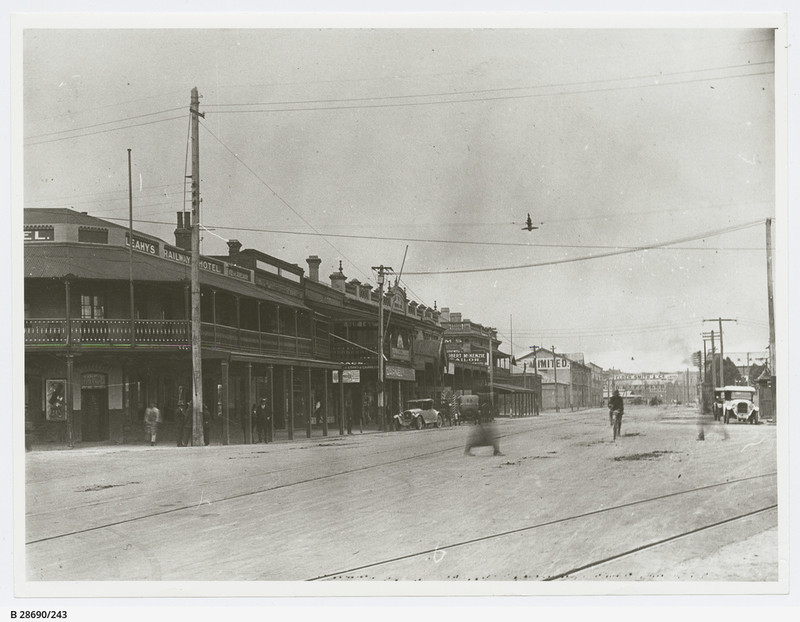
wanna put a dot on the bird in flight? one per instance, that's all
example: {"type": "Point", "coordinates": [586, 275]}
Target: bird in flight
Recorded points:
{"type": "Point", "coordinates": [529, 224]}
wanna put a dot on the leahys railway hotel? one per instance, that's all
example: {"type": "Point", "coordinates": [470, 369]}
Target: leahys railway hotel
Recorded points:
{"type": "Point", "coordinates": [267, 330]}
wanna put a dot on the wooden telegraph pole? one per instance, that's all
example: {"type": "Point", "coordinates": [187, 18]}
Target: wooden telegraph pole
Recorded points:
{"type": "Point", "coordinates": [382, 270]}
{"type": "Point", "coordinates": [721, 349]}
{"type": "Point", "coordinates": [197, 359]}
{"type": "Point", "coordinates": [770, 307]}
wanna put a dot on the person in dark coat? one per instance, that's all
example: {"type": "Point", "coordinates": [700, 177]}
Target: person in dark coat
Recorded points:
{"type": "Point", "coordinates": [182, 424]}
{"type": "Point", "coordinates": [264, 421]}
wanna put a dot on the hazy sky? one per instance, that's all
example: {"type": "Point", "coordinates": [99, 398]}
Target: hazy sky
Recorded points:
{"type": "Point", "coordinates": [610, 139]}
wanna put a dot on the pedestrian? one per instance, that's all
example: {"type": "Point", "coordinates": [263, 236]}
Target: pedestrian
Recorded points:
{"type": "Point", "coordinates": [482, 435]}
{"type": "Point", "coordinates": [263, 421]}
{"type": "Point", "coordinates": [181, 415]}
{"type": "Point", "coordinates": [709, 421]}
{"type": "Point", "coordinates": [348, 416]}
{"type": "Point", "coordinates": [206, 425]}
{"type": "Point", "coordinates": [152, 417]}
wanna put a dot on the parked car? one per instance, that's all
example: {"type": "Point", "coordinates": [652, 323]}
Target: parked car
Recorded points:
{"type": "Point", "coordinates": [737, 404]}
{"type": "Point", "coordinates": [418, 414]}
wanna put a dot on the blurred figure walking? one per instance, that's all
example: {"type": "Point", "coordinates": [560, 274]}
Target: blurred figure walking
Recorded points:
{"type": "Point", "coordinates": [152, 417]}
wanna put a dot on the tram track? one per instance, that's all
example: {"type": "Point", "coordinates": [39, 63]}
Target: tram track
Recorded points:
{"type": "Point", "coordinates": [269, 489]}
{"type": "Point", "coordinates": [563, 520]}
{"type": "Point", "coordinates": [661, 542]}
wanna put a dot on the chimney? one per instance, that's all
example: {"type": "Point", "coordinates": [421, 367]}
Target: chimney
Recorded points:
{"type": "Point", "coordinates": [338, 279]}
{"type": "Point", "coordinates": [234, 246]}
{"type": "Point", "coordinates": [183, 232]}
{"type": "Point", "coordinates": [313, 268]}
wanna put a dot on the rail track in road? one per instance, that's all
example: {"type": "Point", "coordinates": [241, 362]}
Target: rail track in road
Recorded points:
{"type": "Point", "coordinates": [268, 489]}
{"type": "Point", "coordinates": [630, 550]}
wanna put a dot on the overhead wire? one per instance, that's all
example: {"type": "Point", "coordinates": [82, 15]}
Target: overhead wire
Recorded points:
{"type": "Point", "coordinates": [86, 127]}
{"type": "Point", "coordinates": [112, 129]}
{"type": "Point", "coordinates": [464, 242]}
{"type": "Point", "coordinates": [485, 99]}
{"type": "Point", "coordinates": [492, 90]}
{"type": "Point", "coordinates": [706, 234]}
{"type": "Point", "coordinates": [283, 201]}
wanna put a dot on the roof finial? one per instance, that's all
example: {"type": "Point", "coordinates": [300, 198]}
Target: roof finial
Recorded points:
{"type": "Point", "coordinates": [340, 265]}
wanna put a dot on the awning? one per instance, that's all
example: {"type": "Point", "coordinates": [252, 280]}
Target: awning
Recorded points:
{"type": "Point", "coordinates": [510, 388]}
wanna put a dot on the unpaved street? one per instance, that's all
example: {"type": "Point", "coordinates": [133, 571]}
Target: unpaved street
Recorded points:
{"type": "Point", "coordinates": [563, 502]}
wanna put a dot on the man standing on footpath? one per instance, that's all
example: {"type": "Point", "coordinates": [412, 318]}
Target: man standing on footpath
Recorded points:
{"type": "Point", "coordinates": [264, 422]}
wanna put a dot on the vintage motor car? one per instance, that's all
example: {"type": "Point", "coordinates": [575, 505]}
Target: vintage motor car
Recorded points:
{"type": "Point", "coordinates": [418, 414]}
{"type": "Point", "coordinates": [737, 404]}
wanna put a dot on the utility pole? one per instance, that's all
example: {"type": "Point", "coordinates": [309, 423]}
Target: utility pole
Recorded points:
{"type": "Point", "coordinates": [537, 402]}
{"type": "Point", "coordinates": [770, 304]}
{"type": "Point", "coordinates": [197, 357]}
{"type": "Point", "coordinates": [491, 372]}
{"type": "Point", "coordinates": [130, 248]}
{"type": "Point", "coordinates": [555, 377]}
{"type": "Point", "coordinates": [721, 349]}
{"type": "Point", "coordinates": [382, 270]}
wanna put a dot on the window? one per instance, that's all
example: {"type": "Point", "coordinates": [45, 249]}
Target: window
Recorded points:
{"type": "Point", "coordinates": [92, 307]}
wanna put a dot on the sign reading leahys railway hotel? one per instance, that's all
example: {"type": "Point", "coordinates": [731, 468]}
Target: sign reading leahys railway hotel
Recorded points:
{"type": "Point", "coordinates": [142, 245]}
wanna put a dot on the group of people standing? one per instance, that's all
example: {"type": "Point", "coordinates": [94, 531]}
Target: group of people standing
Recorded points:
{"type": "Point", "coordinates": [184, 420]}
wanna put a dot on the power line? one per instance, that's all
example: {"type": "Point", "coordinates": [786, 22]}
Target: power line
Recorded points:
{"type": "Point", "coordinates": [92, 194]}
{"type": "Point", "coordinates": [598, 256]}
{"type": "Point", "coordinates": [282, 200]}
{"type": "Point", "coordinates": [487, 99]}
{"type": "Point", "coordinates": [86, 127]}
{"type": "Point", "coordinates": [493, 90]}
{"type": "Point", "coordinates": [445, 241]}
{"type": "Point", "coordinates": [113, 129]}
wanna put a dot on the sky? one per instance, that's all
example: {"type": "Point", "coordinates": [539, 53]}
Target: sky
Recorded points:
{"type": "Point", "coordinates": [653, 147]}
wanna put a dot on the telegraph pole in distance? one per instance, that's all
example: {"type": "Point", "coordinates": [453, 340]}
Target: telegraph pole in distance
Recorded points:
{"type": "Point", "coordinates": [770, 307]}
{"type": "Point", "coordinates": [382, 270]}
{"type": "Point", "coordinates": [721, 349]}
{"type": "Point", "coordinates": [555, 377]}
{"type": "Point", "coordinates": [197, 356]}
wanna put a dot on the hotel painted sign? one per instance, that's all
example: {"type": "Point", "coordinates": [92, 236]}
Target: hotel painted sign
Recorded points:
{"type": "Point", "coordinates": [142, 245]}
{"type": "Point", "coordinates": [211, 266]}
{"type": "Point", "coordinates": [174, 254]}
{"type": "Point", "coordinates": [39, 234]}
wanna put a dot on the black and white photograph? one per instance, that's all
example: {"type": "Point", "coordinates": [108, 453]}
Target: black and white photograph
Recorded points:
{"type": "Point", "coordinates": [455, 305]}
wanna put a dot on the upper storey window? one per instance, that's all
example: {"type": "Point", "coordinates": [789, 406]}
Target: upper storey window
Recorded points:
{"type": "Point", "coordinates": [92, 307]}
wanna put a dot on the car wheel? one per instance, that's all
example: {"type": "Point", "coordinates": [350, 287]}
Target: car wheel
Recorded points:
{"type": "Point", "coordinates": [752, 420]}
{"type": "Point", "coordinates": [439, 421]}
{"type": "Point", "coordinates": [397, 425]}
{"type": "Point", "coordinates": [420, 423]}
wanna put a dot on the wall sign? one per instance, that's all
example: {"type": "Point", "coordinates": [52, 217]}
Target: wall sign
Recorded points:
{"type": "Point", "coordinates": [211, 266]}
{"type": "Point", "coordinates": [400, 373]}
{"type": "Point", "coordinates": [238, 273]}
{"type": "Point", "coordinates": [39, 234]}
{"type": "Point", "coordinates": [174, 254]}
{"type": "Point", "coordinates": [478, 358]}
{"type": "Point", "coordinates": [142, 245]}
{"type": "Point", "coordinates": [351, 376]}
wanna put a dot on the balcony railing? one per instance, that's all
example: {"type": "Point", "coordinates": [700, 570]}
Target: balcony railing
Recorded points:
{"type": "Point", "coordinates": [167, 333]}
